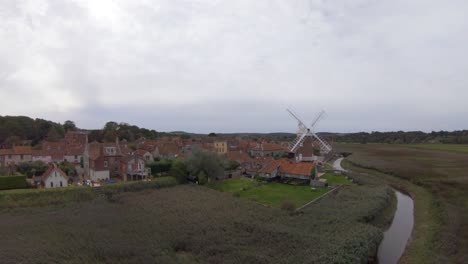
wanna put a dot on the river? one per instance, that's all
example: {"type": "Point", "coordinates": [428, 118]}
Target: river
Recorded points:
{"type": "Point", "coordinates": [396, 236]}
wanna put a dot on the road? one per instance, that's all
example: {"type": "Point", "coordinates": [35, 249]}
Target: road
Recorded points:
{"type": "Point", "coordinates": [337, 164]}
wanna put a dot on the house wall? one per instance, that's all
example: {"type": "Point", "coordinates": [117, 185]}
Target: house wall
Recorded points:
{"type": "Point", "coordinates": [296, 176]}
{"type": "Point", "coordinates": [221, 147]}
{"type": "Point", "coordinates": [15, 159]}
{"type": "Point", "coordinates": [148, 157]}
{"type": "Point", "coordinates": [99, 175]}
{"type": "Point", "coordinates": [45, 159]}
{"type": "Point", "coordinates": [72, 158]}
{"type": "Point", "coordinates": [56, 178]}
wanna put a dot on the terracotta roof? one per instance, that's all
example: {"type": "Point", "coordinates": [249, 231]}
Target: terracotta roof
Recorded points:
{"type": "Point", "coordinates": [238, 156]}
{"type": "Point", "coordinates": [22, 150]}
{"type": "Point", "coordinates": [270, 166]}
{"type": "Point", "coordinates": [6, 151]}
{"type": "Point", "coordinates": [271, 147]}
{"type": "Point", "coordinates": [141, 152]}
{"type": "Point", "coordinates": [75, 150]}
{"type": "Point", "coordinates": [94, 150]}
{"type": "Point", "coordinates": [54, 149]}
{"type": "Point", "coordinates": [299, 168]}
{"type": "Point", "coordinates": [169, 149]}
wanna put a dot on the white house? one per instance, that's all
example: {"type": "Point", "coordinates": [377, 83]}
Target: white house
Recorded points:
{"type": "Point", "coordinates": [54, 177]}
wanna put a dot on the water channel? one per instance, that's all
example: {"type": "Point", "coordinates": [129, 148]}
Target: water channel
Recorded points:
{"type": "Point", "coordinates": [396, 236]}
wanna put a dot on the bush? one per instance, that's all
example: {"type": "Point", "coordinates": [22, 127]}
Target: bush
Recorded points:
{"type": "Point", "coordinates": [12, 182]}
{"type": "Point", "coordinates": [202, 179]}
{"type": "Point", "coordinates": [288, 206]}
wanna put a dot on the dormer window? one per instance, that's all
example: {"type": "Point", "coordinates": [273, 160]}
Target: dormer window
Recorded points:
{"type": "Point", "coordinates": [110, 150]}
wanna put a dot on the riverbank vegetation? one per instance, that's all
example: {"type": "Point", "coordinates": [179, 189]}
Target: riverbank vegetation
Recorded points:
{"type": "Point", "coordinates": [186, 224]}
{"type": "Point", "coordinates": [435, 177]}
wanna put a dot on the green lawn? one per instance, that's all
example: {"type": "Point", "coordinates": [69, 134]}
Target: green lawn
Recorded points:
{"type": "Point", "coordinates": [336, 179]}
{"type": "Point", "coordinates": [234, 185]}
{"type": "Point", "coordinates": [272, 194]}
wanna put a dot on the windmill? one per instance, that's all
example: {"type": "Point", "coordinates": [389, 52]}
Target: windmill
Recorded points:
{"type": "Point", "coordinates": [304, 131]}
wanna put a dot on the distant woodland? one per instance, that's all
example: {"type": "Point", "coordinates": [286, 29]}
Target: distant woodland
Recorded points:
{"type": "Point", "coordinates": [400, 137]}
{"type": "Point", "coordinates": [22, 130]}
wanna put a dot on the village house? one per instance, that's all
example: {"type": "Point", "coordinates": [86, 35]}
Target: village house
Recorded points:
{"type": "Point", "coordinates": [267, 150]}
{"type": "Point", "coordinates": [41, 155]}
{"type": "Point", "coordinates": [147, 156]}
{"type": "Point", "coordinates": [15, 155]}
{"type": "Point", "coordinates": [54, 149]}
{"type": "Point", "coordinates": [54, 177]}
{"type": "Point", "coordinates": [220, 147]}
{"type": "Point", "coordinates": [168, 150]}
{"type": "Point", "coordinates": [132, 168]}
{"type": "Point", "coordinates": [296, 170]}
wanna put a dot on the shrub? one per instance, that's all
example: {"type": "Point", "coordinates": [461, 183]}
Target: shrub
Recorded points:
{"type": "Point", "coordinates": [288, 205]}
{"type": "Point", "coordinates": [12, 182]}
{"type": "Point", "coordinates": [202, 178]}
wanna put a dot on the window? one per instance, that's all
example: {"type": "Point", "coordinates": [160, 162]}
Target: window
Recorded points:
{"type": "Point", "coordinates": [76, 157]}
{"type": "Point", "coordinates": [9, 156]}
{"type": "Point", "coordinates": [105, 164]}
{"type": "Point", "coordinates": [147, 158]}
{"type": "Point", "coordinates": [61, 184]}
{"type": "Point", "coordinates": [51, 184]}
{"type": "Point", "coordinates": [22, 157]}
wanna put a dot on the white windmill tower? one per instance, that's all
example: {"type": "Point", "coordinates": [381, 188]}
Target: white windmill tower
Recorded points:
{"type": "Point", "coordinates": [304, 131]}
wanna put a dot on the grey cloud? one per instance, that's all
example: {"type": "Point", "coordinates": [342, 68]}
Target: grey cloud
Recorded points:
{"type": "Point", "coordinates": [235, 65]}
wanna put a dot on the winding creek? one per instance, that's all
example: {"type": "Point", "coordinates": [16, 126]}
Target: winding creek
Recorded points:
{"type": "Point", "coordinates": [397, 235]}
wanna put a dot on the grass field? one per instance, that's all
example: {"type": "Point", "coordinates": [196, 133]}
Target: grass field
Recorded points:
{"type": "Point", "coordinates": [336, 179]}
{"type": "Point", "coordinates": [437, 178]}
{"type": "Point", "coordinates": [458, 148]}
{"type": "Point", "coordinates": [194, 224]}
{"type": "Point", "coordinates": [271, 194]}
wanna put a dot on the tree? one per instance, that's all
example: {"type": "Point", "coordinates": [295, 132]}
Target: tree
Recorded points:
{"type": "Point", "coordinates": [32, 168]}
{"type": "Point", "coordinates": [68, 168]}
{"type": "Point", "coordinates": [232, 165]}
{"type": "Point", "coordinates": [160, 166]}
{"type": "Point", "coordinates": [208, 163]}
{"type": "Point", "coordinates": [179, 171]}
{"type": "Point", "coordinates": [212, 134]}
{"type": "Point", "coordinates": [69, 126]}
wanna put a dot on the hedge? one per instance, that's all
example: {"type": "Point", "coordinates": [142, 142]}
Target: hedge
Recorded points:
{"type": "Point", "coordinates": [12, 182]}
{"type": "Point", "coordinates": [60, 196]}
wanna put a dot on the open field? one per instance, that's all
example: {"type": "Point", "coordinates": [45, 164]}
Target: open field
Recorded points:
{"type": "Point", "coordinates": [333, 179]}
{"type": "Point", "coordinates": [271, 194]}
{"type": "Point", "coordinates": [437, 178]}
{"type": "Point", "coordinates": [194, 224]}
{"type": "Point", "coordinates": [458, 148]}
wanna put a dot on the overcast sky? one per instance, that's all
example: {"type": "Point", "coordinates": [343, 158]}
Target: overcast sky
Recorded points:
{"type": "Point", "coordinates": [235, 66]}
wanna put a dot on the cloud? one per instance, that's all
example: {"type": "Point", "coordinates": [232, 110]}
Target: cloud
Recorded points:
{"type": "Point", "coordinates": [235, 65]}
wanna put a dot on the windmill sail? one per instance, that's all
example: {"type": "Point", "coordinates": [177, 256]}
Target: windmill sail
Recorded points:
{"type": "Point", "coordinates": [304, 131]}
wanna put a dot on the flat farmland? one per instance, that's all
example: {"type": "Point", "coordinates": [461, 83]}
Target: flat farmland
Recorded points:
{"type": "Point", "coordinates": [442, 170]}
